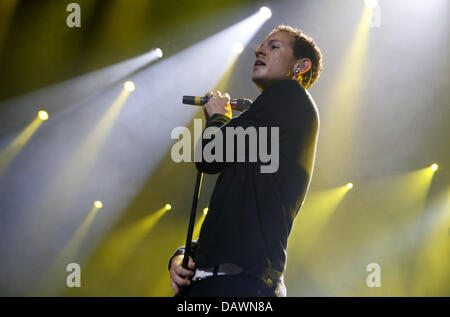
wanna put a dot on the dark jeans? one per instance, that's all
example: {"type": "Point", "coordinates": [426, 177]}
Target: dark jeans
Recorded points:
{"type": "Point", "coordinates": [241, 285]}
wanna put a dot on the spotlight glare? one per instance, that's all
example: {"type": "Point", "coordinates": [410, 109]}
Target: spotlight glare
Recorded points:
{"type": "Point", "coordinates": [168, 206]}
{"type": "Point", "coordinates": [43, 115]}
{"type": "Point", "coordinates": [158, 52]}
{"type": "Point", "coordinates": [237, 48]}
{"type": "Point", "coordinates": [129, 86]}
{"type": "Point", "coordinates": [98, 204]}
{"type": "Point", "coordinates": [434, 167]}
{"type": "Point", "coordinates": [265, 13]}
{"type": "Point", "coordinates": [349, 185]}
{"type": "Point", "coordinates": [371, 4]}
{"type": "Point", "coordinates": [205, 211]}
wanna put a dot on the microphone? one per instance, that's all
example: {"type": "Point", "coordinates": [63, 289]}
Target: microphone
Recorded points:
{"type": "Point", "coordinates": [240, 104]}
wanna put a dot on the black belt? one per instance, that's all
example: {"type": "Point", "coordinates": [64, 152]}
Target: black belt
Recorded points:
{"type": "Point", "coordinates": [231, 269]}
{"type": "Point", "coordinates": [222, 269]}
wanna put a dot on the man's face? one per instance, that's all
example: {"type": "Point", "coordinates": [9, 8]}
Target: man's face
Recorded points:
{"type": "Point", "coordinates": [274, 60]}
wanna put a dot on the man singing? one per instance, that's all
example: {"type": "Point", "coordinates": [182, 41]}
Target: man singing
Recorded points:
{"type": "Point", "coordinates": [241, 250]}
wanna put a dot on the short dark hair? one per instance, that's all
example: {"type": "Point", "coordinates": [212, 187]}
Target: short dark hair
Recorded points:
{"type": "Point", "coordinates": [304, 47]}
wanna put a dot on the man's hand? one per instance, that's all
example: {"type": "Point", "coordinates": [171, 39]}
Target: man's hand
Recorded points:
{"type": "Point", "coordinates": [178, 273]}
{"type": "Point", "coordinates": [217, 103]}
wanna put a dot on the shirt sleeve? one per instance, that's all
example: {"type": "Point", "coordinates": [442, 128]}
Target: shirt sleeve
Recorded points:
{"type": "Point", "coordinates": [215, 122]}
{"type": "Point", "coordinates": [284, 105]}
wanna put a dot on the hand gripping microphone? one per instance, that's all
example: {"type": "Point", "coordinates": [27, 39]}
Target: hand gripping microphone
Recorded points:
{"type": "Point", "coordinates": [240, 104]}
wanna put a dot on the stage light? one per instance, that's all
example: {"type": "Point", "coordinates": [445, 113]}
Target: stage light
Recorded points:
{"type": "Point", "coordinates": [434, 167]}
{"type": "Point", "coordinates": [129, 86]}
{"type": "Point", "coordinates": [168, 206]}
{"type": "Point", "coordinates": [237, 48]}
{"type": "Point", "coordinates": [265, 13]}
{"type": "Point", "coordinates": [371, 4]}
{"type": "Point", "coordinates": [43, 115]}
{"type": "Point", "coordinates": [159, 53]}
{"type": "Point", "coordinates": [205, 211]}
{"type": "Point", "coordinates": [98, 204]}
{"type": "Point", "coordinates": [349, 185]}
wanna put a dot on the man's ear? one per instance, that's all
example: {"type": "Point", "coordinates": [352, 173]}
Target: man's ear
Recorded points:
{"type": "Point", "coordinates": [303, 65]}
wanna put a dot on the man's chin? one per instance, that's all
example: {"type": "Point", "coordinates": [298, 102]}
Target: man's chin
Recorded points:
{"type": "Point", "coordinates": [258, 82]}
{"type": "Point", "coordinates": [257, 77]}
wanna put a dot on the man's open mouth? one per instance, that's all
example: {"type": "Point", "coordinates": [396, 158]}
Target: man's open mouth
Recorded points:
{"type": "Point", "coordinates": [259, 63]}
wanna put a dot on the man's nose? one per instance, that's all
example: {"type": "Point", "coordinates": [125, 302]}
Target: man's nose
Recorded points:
{"type": "Point", "coordinates": [260, 51]}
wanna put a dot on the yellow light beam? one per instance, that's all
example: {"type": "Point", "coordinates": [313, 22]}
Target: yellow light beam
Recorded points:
{"type": "Point", "coordinates": [67, 255]}
{"type": "Point", "coordinates": [393, 201]}
{"type": "Point", "coordinates": [198, 225]}
{"type": "Point", "coordinates": [119, 246]}
{"type": "Point", "coordinates": [92, 146]}
{"type": "Point", "coordinates": [18, 143]}
{"type": "Point", "coordinates": [433, 260]}
{"type": "Point", "coordinates": [351, 74]}
{"type": "Point", "coordinates": [409, 191]}
{"type": "Point", "coordinates": [345, 96]}
{"type": "Point", "coordinates": [78, 167]}
{"type": "Point", "coordinates": [313, 217]}
{"type": "Point", "coordinates": [222, 84]}
{"type": "Point", "coordinates": [71, 249]}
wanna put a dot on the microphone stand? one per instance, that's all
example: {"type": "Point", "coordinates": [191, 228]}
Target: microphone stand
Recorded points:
{"type": "Point", "coordinates": [187, 249]}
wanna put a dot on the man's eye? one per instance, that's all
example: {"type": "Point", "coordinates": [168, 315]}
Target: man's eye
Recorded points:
{"type": "Point", "coordinates": [274, 46]}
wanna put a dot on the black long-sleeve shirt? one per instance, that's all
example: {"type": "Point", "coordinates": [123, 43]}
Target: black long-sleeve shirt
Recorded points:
{"type": "Point", "coordinates": [251, 213]}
